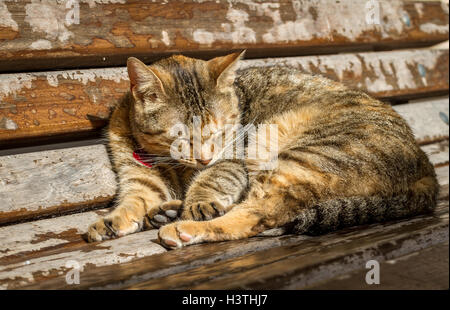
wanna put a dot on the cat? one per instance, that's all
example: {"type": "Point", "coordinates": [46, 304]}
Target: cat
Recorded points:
{"type": "Point", "coordinates": [343, 159]}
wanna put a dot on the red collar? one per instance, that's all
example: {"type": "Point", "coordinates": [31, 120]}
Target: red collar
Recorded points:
{"type": "Point", "coordinates": [138, 154]}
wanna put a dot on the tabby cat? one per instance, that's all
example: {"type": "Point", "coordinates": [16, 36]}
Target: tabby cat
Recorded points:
{"type": "Point", "coordinates": [344, 158]}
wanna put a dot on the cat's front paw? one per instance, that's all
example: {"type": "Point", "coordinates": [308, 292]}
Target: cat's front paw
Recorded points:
{"type": "Point", "coordinates": [203, 211]}
{"type": "Point", "coordinates": [166, 213]}
{"type": "Point", "coordinates": [109, 227]}
{"type": "Point", "coordinates": [179, 234]}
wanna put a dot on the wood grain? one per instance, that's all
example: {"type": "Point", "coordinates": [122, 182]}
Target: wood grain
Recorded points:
{"type": "Point", "coordinates": [427, 118]}
{"type": "Point", "coordinates": [32, 252]}
{"type": "Point", "coordinates": [35, 254]}
{"type": "Point", "coordinates": [265, 262]}
{"type": "Point", "coordinates": [54, 182]}
{"type": "Point", "coordinates": [302, 264]}
{"type": "Point", "coordinates": [422, 270]}
{"type": "Point", "coordinates": [42, 35]}
{"type": "Point", "coordinates": [44, 104]}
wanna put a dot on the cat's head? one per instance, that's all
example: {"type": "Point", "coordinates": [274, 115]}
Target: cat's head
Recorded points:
{"type": "Point", "coordinates": [176, 90]}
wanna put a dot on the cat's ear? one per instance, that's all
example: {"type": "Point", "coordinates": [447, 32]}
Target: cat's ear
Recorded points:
{"type": "Point", "coordinates": [223, 68]}
{"type": "Point", "coordinates": [142, 77]}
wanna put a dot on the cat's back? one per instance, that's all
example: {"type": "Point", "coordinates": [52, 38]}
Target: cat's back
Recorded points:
{"type": "Point", "coordinates": [267, 91]}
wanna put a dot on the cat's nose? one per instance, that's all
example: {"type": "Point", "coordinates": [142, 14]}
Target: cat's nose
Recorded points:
{"type": "Point", "coordinates": [204, 162]}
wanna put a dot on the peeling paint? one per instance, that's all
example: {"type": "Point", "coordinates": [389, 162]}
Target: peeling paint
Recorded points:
{"type": "Point", "coordinates": [6, 19]}
{"type": "Point", "coordinates": [130, 29]}
{"type": "Point", "coordinates": [55, 178]}
{"type": "Point", "coordinates": [93, 3]}
{"type": "Point", "coordinates": [423, 118]}
{"type": "Point", "coordinates": [8, 124]}
{"type": "Point", "coordinates": [48, 17]}
{"type": "Point", "coordinates": [71, 111]}
{"type": "Point", "coordinates": [236, 32]}
{"type": "Point", "coordinates": [313, 19]}
{"type": "Point", "coordinates": [11, 83]}
{"type": "Point", "coordinates": [24, 238]}
{"type": "Point", "coordinates": [381, 65]}
{"type": "Point", "coordinates": [41, 45]}
{"type": "Point", "coordinates": [165, 38]}
{"type": "Point", "coordinates": [419, 8]}
{"type": "Point", "coordinates": [432, 28]}
{"type": "Point", "coordinates": [85, 76]}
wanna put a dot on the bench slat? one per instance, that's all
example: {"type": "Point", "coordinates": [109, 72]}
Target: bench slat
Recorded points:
{"type": "Point", "coordinates": [297, 266]}
{"type": "Point", "coordinates": [54, 182]}
{"type": "Point", "coordinates": [437, 152]}
{"type": "Point", "coordinates": [52, 103]}
{"type": "Point", "coordinates": [36, 253]}
{"type": "Point", "coordinates": [109, 31]}
{"type": "Point", "coordinates": [44, 249]}
{"type": "Point", "coordinates": [426, 269]}
{"type": "Point", "coordinates": [427, 118]}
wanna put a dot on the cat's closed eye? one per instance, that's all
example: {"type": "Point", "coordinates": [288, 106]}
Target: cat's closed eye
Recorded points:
{"type": "Point", "coordinates": [153, 132]}
{"type": "Point", "coordinates": [151, 96]}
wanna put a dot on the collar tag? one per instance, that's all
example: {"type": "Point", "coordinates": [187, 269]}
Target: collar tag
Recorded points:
{"type": "Point", "coordinates": [137, 155]}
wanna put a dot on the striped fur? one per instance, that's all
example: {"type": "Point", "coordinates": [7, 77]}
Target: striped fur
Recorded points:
{"type": "Point", "coordinates": [344, 158]}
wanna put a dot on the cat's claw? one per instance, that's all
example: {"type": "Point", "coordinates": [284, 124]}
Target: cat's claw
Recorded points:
{"type": "Point", "coordinates": [203, 211]}
{"type": "Point", "coordinates": [108, 227]}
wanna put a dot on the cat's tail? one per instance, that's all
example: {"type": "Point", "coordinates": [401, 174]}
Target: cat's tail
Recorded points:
{"type": "Point", "coordinates": [343, 212]}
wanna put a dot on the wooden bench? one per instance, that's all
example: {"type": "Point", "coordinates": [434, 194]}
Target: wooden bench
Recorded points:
{"type": "Point", "coordinates": [58, 82]}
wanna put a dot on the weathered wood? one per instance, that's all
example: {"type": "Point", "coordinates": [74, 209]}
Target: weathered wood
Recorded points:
{"type": "Point", "coordinates": [437, 152]}
{"type": "Point", "coordinates": [32, 252]}
{"type": "Point", "coordinates": [52, 103]}
{"type": "Point", "coordinates": [53, 182]}
{"type": "Point", "coordinates": [36, 253]}
{"type": "Point", "coordinates": [427, 118]}
{"type": "Point", "coordinates": [47, 34]}
{"type": "Point", "coordinates": [262, 262]}
{"type": "Point", "coordinates": [315, 259]}
{"type": "Point", "coordinates": [422, 270]}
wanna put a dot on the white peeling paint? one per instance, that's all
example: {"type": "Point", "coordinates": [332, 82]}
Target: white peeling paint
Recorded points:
{"type": "Point", "coordinates": [314, 19]}
{"type": "Point", "coordinates": [8, 124]}
{"type": "Point", "coordinates": [165, 38]}
{"type": "Point", "coordinates": [12, 83]}
{"type": "Point", "coordinates": [381, 65]}
{"type": "Point", "coordinates": [236, 32]}
{"type": "Point", "coordinates": [85, 76]}
{"type": "Point", "coordinates": [48, 17]}
{"type": "Point", "coordinates": [444, 5]}
{"type": "Point", "coordinates": [71, 176]}
{"type": "Point", "coordinates": [22, 238]}
{"type": "Point", "coordinates": [203, 37]}
{"type": "Point", "coordinates": [93, 3]}
{"type": "Point", "coordinates": [423, 117]}
{"type": "Point", "coordinates": [437, 152]}
{"type": "Point", "coordinates": [419, 9]}
{"type": "Point", "coordinates": [6, 19]}
{"type": "Point", "coordinates": [433, 28]}
{"type": "Point", "coordinates": [41, 45]}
